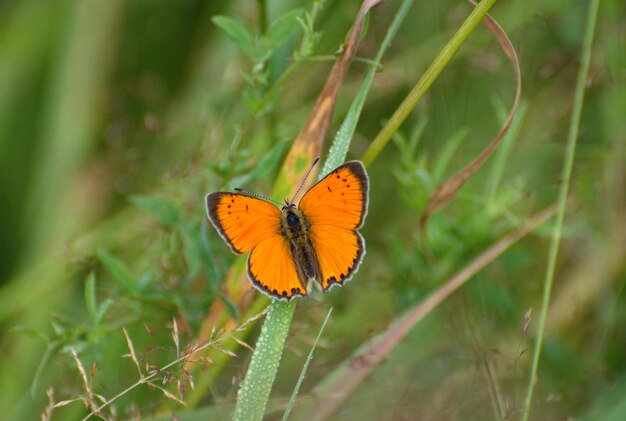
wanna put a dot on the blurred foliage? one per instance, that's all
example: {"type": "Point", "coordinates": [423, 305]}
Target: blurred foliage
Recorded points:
{"type": "Point", "coordinates": [116, 118]}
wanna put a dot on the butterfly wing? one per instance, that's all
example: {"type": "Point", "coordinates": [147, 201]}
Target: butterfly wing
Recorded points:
{"type": "Point", "coordinates": [247, 223]}
{"type": "Point", "coordinates": [335, 208]}
{"type": "Point", "coordinates": [242, 221]}
{"type": "Point", "coordinates": [272, 270]}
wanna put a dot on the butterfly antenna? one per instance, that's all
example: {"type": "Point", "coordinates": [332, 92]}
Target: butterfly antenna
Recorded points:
{"type": "Point", "coordinates": [258, 196]}
{"type": "Point", "coordinates": [304, 179]}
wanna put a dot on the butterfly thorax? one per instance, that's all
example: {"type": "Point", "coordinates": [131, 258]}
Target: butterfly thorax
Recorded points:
{"type": "Point", "coordinates": [295, 227]}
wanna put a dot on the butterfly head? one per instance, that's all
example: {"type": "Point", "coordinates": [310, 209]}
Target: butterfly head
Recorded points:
{"type": "Point", "coordinates": [292, 218]}
{"type": "Point", "coordinates": [288, 204]}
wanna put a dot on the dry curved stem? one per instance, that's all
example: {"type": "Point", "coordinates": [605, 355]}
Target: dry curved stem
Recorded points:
{"type": "Point", "coordinates": [309, 142]}
{"type": "Point", "coordinates": [447, 191]}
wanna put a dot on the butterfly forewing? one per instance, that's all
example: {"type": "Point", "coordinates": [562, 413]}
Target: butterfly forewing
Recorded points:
{"type": "Point", "coordinates": [335, 207]}
{"type": "Point", "coordinates": [242, 221]}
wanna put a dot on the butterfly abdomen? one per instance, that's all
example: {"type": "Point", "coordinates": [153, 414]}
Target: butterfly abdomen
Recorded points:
{"type": "Point", "coordinates": [296, 229]}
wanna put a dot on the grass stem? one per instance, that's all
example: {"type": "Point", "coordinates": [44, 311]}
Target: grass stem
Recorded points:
{"type": "Point", "coordinates": [427, 79]}
{"type": "Point", "coordinates": [574, 126]}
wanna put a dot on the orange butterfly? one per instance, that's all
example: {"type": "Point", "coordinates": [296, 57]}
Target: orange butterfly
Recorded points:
{"type": "Point", "coordinates": [296, 246]}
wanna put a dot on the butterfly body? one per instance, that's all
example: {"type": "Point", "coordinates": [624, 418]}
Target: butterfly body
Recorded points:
{"type": "Point", "coordinates": [296, 229]}
{"type": "Point", "coordinates": [298, 246]}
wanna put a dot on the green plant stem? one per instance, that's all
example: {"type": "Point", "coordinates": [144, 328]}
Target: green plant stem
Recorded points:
{"type": "Point", "coordinates": [279, 85]}
{"type": "Point", "coordinates": [256, 386]}
{"type": "Point", "coordinates": [579, 96]}
{"type": "Point", "coordinates": [426, 80]}
{"type": "Point", "coordinates": [262, 15]}
{"type": "Point", "coordinates": [306, 367]}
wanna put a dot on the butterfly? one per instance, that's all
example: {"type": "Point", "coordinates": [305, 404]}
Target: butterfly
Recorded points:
{"type": "Point", "coordinates": [293, 248]}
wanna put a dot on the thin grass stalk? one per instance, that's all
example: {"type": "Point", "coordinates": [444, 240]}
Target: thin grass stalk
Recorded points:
{"type": "Point", "coordinates": [292, 401]}
{"type": "Point", "coordinates": [427, 79]}
{"type": "Point", "coordinates": [572, 136]}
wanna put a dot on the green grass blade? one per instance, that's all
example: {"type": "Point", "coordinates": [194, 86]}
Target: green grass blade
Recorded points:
{"type": "Point", "coordinates": [305, 368]}
{"type": "Point", "coordinates": [579, 97]}
{"type": "Point", "coordinates": [339, 148]}
{"type": "Point", "coordinates": [256, 386]}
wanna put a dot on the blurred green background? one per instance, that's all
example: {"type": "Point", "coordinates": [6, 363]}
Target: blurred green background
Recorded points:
{"type": "Point", "coordinates": [117, 117]}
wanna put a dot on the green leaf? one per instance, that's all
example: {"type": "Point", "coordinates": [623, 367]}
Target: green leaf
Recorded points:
{"type": "Point", "coordinates": [310, 38]}
{"type": "Point", "coordinates": [30, 332]}
{"type": "Point", "coordinates": [266, 165]}
{"type": "Point", "coordinates": [270, 161]}
{"type": "Point", "coordinates": [237, 33]}
{"type": "Point", "coordinates": [118, 270]}
{"type": "Point", "coordinates": [58, 328]}
{"type": "Point", "coordinates": [341, 142]}
{"type": "Point", "coordinates": [90, 298]}
{"type": "Point", "coordinates": [231, 306]}
{"type": "Point", "coordinates": [162, 209]}
{"type": "Point", "coordinates": [192, 249]}
{"type": "Point", "coordinates": [281, 29]}
{"type": "Point", "coordinates": [445, 155]}
{"type": "Point", "coordinates": [106, 304]}
{"type": "Point", "coordinates": [51, 349]}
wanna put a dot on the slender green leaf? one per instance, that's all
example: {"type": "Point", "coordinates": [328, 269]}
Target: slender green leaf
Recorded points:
{"type": "Point", "coordinates": [118, 270]}
{"type": "Point", "coordinates": [281, 29]}
{"type": "Point", "coordinates": [237, 33]}
{"type": "Point", "coordinates": [90, 298]}
{"type": "Point", "coordinates": [160, 208]}
{"type": "Point", "coordinates": [341, 143]}
{"type": "Point", "coordinates": [103, 308]}
{"type": "Point", "coordinates": [446, 154]}
{"type": "Point", "coordinates": [30, 332]}
{"type": "Point", "coordinates": [231, 306]}
{"type": "Point", "coordinates": [192, 250]}
{"type": "Point", "coordinates": [266, 165]}
{"type": "Point", "coordinates": [51, 350]}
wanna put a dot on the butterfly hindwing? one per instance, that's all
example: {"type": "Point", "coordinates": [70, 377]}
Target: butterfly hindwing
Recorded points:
{"type": "Point", "coordinates": [335, 208]}
{"type": "Point", "coordinates": [242, 221]}
{"type": "Point", "coordinates": [339, 253]}
{"type": "Point", "coordinates": [272, 270]}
